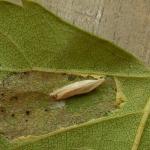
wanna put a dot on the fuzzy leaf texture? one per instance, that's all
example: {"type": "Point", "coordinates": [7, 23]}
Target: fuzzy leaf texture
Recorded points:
{"type": "Point", "coordinates": [32, 39]}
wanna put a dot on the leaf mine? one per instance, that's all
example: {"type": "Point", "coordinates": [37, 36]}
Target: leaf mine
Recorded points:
{"type": "Point", "coordinates": [27, 109]}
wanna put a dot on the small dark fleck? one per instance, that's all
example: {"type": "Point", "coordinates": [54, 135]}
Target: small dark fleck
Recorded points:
{"type": "Point", "coordinates": [71, 77]}
{"type": "Point", "coordinates": [2, 109]}
{"type": "Point", "coordinates": [26, 120]}
{"type": "Point", "coordinates": [45, 109]}
{"type": "Point", "coordinates": [13, 115]}
{"type": "Point", "coordinates": [14, 98]}
{"type": "Point", "coordinates": [2, 94]}
{"type": "Point", "coordinates": [14, 73]}
{"type": "Point", "coordinates": [63, 73]}
{"type": "Point", "coordinates": [105, 113]}
{"type": "Point", "coordinates": [21, 77]}
{"type": "Point", "coordinates": [25, 73]}
{"type": "Point", "coordinates": [28, 112]}
{"type": "Point", "coordinates": [1, 132]}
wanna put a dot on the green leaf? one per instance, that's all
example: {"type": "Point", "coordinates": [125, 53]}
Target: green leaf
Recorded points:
{"type": "Point", "coordinates": [37, 39]}
{"type": "Point", "coordinates": [4, 144]}
{"type": "Point", "coordinates": [39, 53]}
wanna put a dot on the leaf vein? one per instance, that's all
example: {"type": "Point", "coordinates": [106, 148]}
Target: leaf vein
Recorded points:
{"type": "Point", "coordinates": [16, 45]}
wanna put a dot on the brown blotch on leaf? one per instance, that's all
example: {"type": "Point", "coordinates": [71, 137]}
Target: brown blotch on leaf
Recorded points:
{"type": "Point", "coordinates": [2, 94]}
{"type": "Point", "coordinates": [14, 98]}
{"type": "Point", "coordinates": [13, 115]}
{"type": "Point", "coordinates": [2, 109]}
{"type": "Point", "coordinates": [46, 109]}
{"type": "Point", "coordinates": [25, 73]}
{"type": "Point", "coordinates": [27, 112]}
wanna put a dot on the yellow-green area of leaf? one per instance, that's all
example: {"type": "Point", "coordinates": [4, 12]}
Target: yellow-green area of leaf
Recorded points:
{"type": "Point", "coordinates": [40, 47]}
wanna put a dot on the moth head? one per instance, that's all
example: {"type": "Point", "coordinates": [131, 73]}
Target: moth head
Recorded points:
{"type": "Point", "coordinates": [53, 96]}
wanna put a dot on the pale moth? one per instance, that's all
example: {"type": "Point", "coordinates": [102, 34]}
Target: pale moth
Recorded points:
{"type": "Point", "coordinates": [80, 87]}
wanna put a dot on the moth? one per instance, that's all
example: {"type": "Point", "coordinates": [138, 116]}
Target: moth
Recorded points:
{"type": "Point", "coordinates": [80, 87]}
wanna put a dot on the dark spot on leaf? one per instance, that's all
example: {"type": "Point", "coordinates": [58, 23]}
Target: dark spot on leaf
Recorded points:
{"type": "Point", "coordinates": [29, 96]}
{"type": "Point", "coordinates": [13, 115]}
{"type": "Point", "coordinates": [2, 94]}
{"type": "Point", "coordinates": [25, 73]}
{"type": "Point", "coordinates": [107, 113]}
{"type": "Point", "coordinates": [63, 73]}
{"type": "Point", "coordinates": [71, 77]}
{"type": "Point", "coordinates": [2, 109]}
{"type": "Point", "coordinates": [27, 112]}
{"type": "Point", "coordinates": [14, 98]}
{"type": "Point", "coordinates": [22, 75]}
{"type": "Point", "coordinates": [13, 73]}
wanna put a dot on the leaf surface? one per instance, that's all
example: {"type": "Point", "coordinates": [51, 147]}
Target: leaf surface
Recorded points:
{"type": "Point", "coordinates": [33, 39]}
